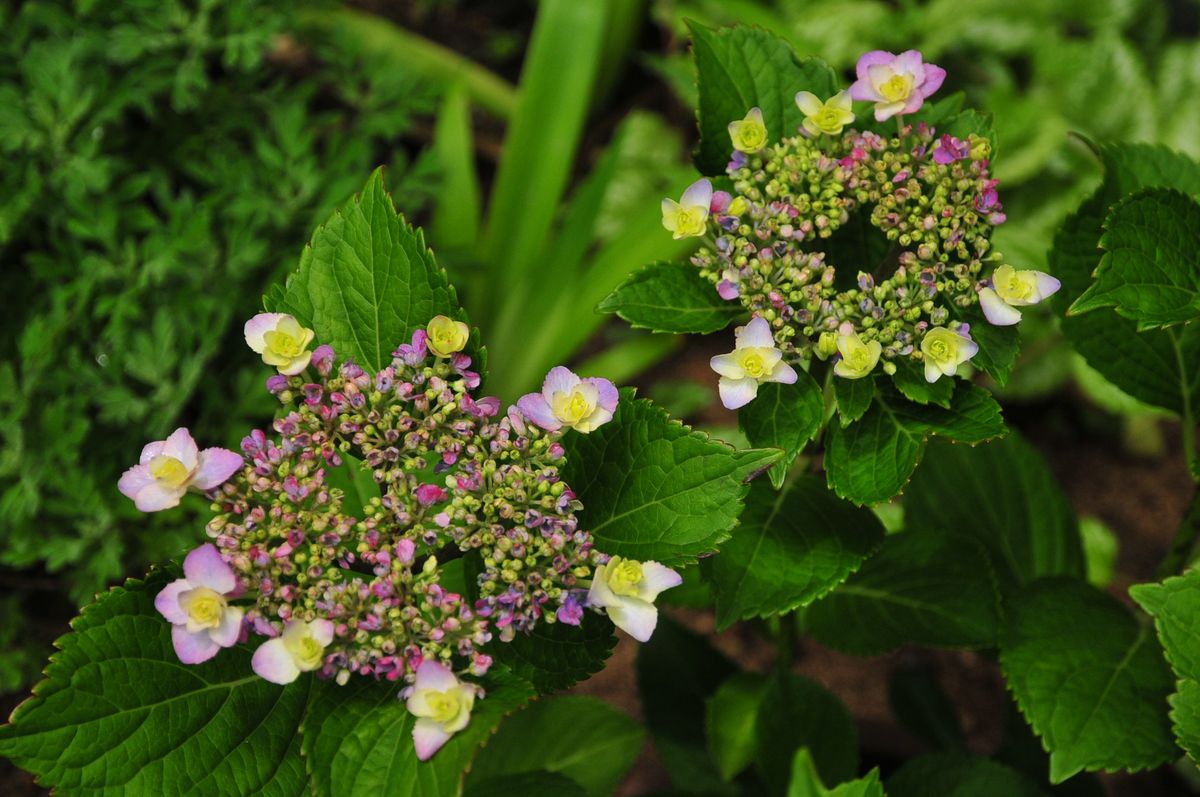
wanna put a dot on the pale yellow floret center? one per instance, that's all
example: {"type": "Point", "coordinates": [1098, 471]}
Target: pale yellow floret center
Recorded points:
{"type": "Point", "coordinates": [753, 363]}
{"type": "Point", "coordinates": [859, 358]}
{"type": "Point", "coordinates": [307, 652]}
{"type": "Point", "coordinates": [896, 88]}
{"type": "Point", "coordinates": [624, 576]}
{"type": "Point", "coordinates": [828, 119]}
{"type": "Point", "coordinates": [204, 608]}
{"type": "Point", "coordinates": [446, 336]}
{"type": "Point", "coordinates": [168, 471]}
{"type": "Point", "coordinates": [940, 350]}
{"type": "Point", "coordinates": [691, 221]}
{"type": "Point", "coordinates": [444, 707]}
{"type": "Point", "coordinates": [282, 344]}
{"type": "Point", "coordinates": [572, 407]}
{"type": "Point", "coordinates": [751, 136]}
{"type": "Point", "coordinates": [1014, 286]}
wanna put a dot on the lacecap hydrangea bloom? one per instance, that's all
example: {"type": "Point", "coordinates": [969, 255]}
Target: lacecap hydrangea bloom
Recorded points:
{"type": "Point", "coordinates": [931, 195]}
{"type": "Point", "coordinates": [318, 589]}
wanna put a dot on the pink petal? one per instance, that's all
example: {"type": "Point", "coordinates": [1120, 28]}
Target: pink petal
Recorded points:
{"type": "Point", "coordinates": [150, 451]}
{"type": "Point", "coordinates": [911, 62]}
{"type": "Point", "coordinates": [227, 633]}
{"type": "Point", "coordinates": [657, 578]}
{"type": "Point", "coordinates": [997, 311]}
{"type": "Point", "coordinates": [193, 648]}
{"type": "Point", "coordinates": [872, 58]}
{"type": "Point", "coordinates": [559, 380]}
{"type": "Point", "coordinates": [727, 290]}
{"type": "Point", "coordinates": [756, 334]}
{"type": "Point", "coordinates": [273, 663]}
{"type": "Point", "coordinates": [321, 631]}
{"type": "Point", "coordinates": [155, 498]}
{"type": "Point", "coordinates": [257, 327]}
{"type": "Point", "coordinates": [434, 675]}
{"type": "Point", "coordinates": [167, 601]}
{"type": "Point", "coordinates": [635, 617]}
{"type": "Point", "coordinates": [134, 480]}
{"type": "Point", "coordinates": [862, 89]}
{"type": "Point", "coordinates": [698, 195]}
{"type": "Point", "coordinates": [428, 738]}
{"type": "Point", "coordinates": [783, 373]}
{"type": "Point", "coordinates": [182, 447]}
{"type": "Point", "coordinates": [737, 393]}
{"type": "Point", "coordinates": [204, 567]}
{"type": "Point", "coordinates": [215, 468]}
{"type": "Point", "coordinates": [535, 407]}
{"type": "Point", "coordinates": [934, 75]}
{"type": "Point", "coordinates": [607, 393]}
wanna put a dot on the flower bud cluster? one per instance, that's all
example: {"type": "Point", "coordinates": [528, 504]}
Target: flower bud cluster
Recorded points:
{"type": "Point", "coordinates": [463, 494]}
{"type": "Point", "coordinates": [775, 240]}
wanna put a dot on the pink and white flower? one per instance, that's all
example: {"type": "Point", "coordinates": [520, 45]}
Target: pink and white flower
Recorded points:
{"type": "Point", "coordinates": [442, 705]}
{"type": "Point", "coordinates": [300, 648]}
{"type": "Point", "coordinates": [754, 360]}
{"type": "Point", "coordinates": [897, 84]}
{"type": "Point", "coordinates": [197, 606]}
{"type": "Point", "coordinates": [281, 341]}
{"type": "Point", "coordinates": [1010, 288]}
{"type": "Point", "coordinates": [167, 468]}
{"type": "Point", "coordinates": [626, 590]}
{"type": "Point", "coordinates": [568, 401]}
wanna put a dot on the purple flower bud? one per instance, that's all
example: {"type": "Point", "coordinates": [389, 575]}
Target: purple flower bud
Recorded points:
{"type": "Point", "coordinates": [950, 149]}
{"type": "Point", "coordinates": [277, 383]}
{"type": "Point", "coordinates": [322, 359]}
{"type": "Point", "coordinates": [570, 612]}
{"type": "Point", "coordinates": [405, 551]}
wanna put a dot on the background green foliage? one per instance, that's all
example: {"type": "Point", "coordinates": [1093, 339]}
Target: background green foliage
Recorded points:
{"type": "Point", "coordinates": [161, 166]}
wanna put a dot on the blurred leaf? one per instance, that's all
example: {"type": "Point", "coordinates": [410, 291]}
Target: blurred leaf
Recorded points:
{"type": "Point", "coordinates": [807, 783]}
{"type": "Point", "coordinates": [958, 775]}
{"type": "Point", "coordinates": [730, 716]}
{"type": "Point", "coordinates": [795, 713]}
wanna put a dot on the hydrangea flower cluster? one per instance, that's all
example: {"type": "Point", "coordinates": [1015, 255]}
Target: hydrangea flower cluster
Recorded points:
{"type": "Point", "coordinates": [465, 492]}
{"type": "Point", "coordinates": [769, 244]}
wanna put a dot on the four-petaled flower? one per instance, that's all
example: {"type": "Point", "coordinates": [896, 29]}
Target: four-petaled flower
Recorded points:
{"type": "Point", "coordinates": [167, 468]}
{"type": "Point", "coordinates": [300, 648]}
{"type": "Point", "coordinates": [945, 350]}
{"type": "Point", "coordinates": [827, 117]}
{"type": "Point", "coordinates": [280, 340]}
{"type": "Point", "coordinates": [1010, 289]}
{"type": "Point", "coordinates": [895, 83]}
{"type": "Point", "coordinates": [754, 360]}
{"type": "Point", "coordinates": [442, 705]}
{"type": "Point", "coordinates": [858, 358]}
{"type": "Point", "coordinates": [949, 149]}
{"type": "Point", "coordinates": [626, 590]}
{"type": "Point", "coordinates": [749, 134]}
{"type": "Point", "coordinates": [446, 336]}
{"type": "Point", "coordinates": [196, 606]}
{"type": "Point", "coordinates": [568, 401]}
{"type": "Point", "coordinates": [689, 216]}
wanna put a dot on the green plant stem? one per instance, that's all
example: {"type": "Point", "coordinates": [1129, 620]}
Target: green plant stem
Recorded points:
{"type": "Point", "coordinates": [1180, 552]}
{"type": "Point", "coordinates": [374, 35]}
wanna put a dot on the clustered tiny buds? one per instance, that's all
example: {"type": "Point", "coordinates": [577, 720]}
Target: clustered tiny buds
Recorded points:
{"type": "Point", "coordinates": [345, 595]}
{"type": "Point", "coordinates": [931, 195]}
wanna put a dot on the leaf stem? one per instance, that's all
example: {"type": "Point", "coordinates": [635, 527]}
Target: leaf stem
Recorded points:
{"type": "Point", "coordinates": [1180, 552]}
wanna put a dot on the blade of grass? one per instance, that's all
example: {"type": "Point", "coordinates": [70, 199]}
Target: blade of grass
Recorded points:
{"type": "Point", "coordinates": [542, 140]}
{"type": "Point", "coordinates": [370, 34]}
{"type": "Point", "coordinates": [628, 358]}
{"type": "Point", "coordinates": [455, 222]}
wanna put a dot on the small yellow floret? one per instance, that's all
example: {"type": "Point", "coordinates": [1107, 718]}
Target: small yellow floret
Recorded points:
{"type": "Point", "coordinates": [446, 336]}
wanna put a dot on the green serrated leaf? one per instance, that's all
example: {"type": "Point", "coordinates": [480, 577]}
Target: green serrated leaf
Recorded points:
{"type": "Point", "coordinates": [358, 739]}
{"type": "Point", "coordinates": [998, 346]}
{"type": "Point", "coordinates": [807, 783]}
{"type": "Point", "coordinates": [797, 712]}
{"type": "Point", "coordinates": [853, 397]}
{"type": "Point", "coordinates": [1088, 677]}
{"type": "Point", "coordinates": [556, 656]}
{"type": "Point", "coordinates": [729, 718]}
{"type": "Point", "coordinates": [1152, 366]}
{"type": "Point", "coordinates": [959, 775]}
{"type": "Point", "coordinates": [1148, 272]}
{"type": "Point", "coordinates": [671, 297]}
{"type": "Point", "coordinates": [909, 379]}
{"type": "Point", "coordinates": [367, 281]}
{"type": "Point", "coordinates": [784, 417]}
{"type": "Point", "coordinates": [928, 588]}
{"type": "Point", "coordinates": [923, 707]}
{"type": "Point", "coordinates": [1175, 606]}
{"type": "Point", "coordinates": [583, 738]}
{"type": "Point", "coordinates": [1002, 494]}
{"type": "Point", "coordinates": [872, 459]}
{"type": "Point", "coordinates": [740, 68]}
{"type": "Point", "coordinates": [118, 714]}
{"type": "Point", "coordinates": [791, 548]}
{"type": "Point", "coordinates": [654, 489]}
